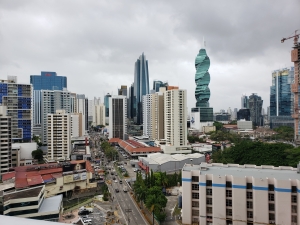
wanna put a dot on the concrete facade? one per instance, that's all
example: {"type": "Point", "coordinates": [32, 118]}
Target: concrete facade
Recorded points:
{"type": "Point", "coordinates": [118, 117]}
{"type": "Point", "coordinates": [240, 194]}
{"type": "Point", "coordinates": [5, 143]}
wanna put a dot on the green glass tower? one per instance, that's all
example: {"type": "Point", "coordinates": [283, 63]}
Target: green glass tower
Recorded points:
{"type": "Point", "coordinates": [202, 79]}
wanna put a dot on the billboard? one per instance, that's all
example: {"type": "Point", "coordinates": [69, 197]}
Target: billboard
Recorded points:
{"type": "Point", "coordinates": [83, 176]}
{"type": "Point", "coordinates": [76, 176]}
{"type": "Point", "coordinates": [68, 178]}
{"type": "Point", "coordinates": [195, 120]}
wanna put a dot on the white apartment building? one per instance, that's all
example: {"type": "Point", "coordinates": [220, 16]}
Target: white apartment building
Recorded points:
{"type": "Point", "coordinates": [82, 107]}
{"type": "Point", "coordinates": [50, 102]}
{"type": "Point", "coordinates": [75, 125]}
{"type": "Point", "coordinates": [118, 117]}
{"type": "Point", "coordinates": [175, 117]}
{"type": "Point", "coordinates": [240, 194]}
{"type": "Point", "coordinates": [148, 115]}
{"type": "Point", "coordinates": [58, 135]}
{"type": "Point", "coordinates": [99, 115]}
{"type": "Point", "coordinates": [5, 140]}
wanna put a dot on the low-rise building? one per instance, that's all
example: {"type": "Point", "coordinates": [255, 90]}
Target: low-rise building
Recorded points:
{"type": "Point", "coordinates": [240, 194]}
{"type": "Point", "coordinates": [244, 125]}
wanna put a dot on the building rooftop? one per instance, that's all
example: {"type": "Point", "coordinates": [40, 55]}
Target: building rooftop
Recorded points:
{"type": "Point", "coordinates": [13, 220]}
{"type": "Point", "coordinates": [134, 146]}
{"type": "Point", "coordinates": [51, 204]}
{"type": "Point", "coordinates": [27, 193]}
{"type": "Point", "coordinates": [281, 172]}
{"type": "Point", "coordinates": [161, 158]}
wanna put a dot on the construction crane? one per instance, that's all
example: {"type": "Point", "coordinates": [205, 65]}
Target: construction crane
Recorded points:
{"type": "Point", "coordinates": [295, 58]}
{"type": "Point", "coordinates": [296, 37]}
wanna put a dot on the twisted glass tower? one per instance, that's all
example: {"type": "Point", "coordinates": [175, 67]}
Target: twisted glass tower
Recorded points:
{"type": "Point", "coordinates": [202, 79]}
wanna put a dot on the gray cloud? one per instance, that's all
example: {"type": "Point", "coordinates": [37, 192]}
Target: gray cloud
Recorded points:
{"type": "Point", "coordinates": [95, 43]}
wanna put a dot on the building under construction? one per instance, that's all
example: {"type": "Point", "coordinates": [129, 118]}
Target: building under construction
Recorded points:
{"type": "Point", "coordinates": [295, 57]}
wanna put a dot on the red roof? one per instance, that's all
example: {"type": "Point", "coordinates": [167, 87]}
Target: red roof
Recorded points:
{"type": "Point", "coordinates": [34, 180]}
{"type": "Point", "coordinates": [8, 176]}
{"type": "Point", "coordinates": [47, 177]}
{"type": "Point", "coordinates": [21, 183]}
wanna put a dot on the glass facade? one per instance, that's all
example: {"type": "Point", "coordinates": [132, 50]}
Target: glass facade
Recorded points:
{"type": "Point", "coordinates": [141, 87]}
{"type": "Point", "coordinates": [48, 81]}
{"type": "Point", "coordinates": [243, 114]}
{"type": "Point", "coordinates": [202, 79]}
{"type": "Point", "coordinates": [157, 84]}
{"type": "Point", "coordinates": [106, 104]}
{"type": "Point", "coordinates": [255, 106]}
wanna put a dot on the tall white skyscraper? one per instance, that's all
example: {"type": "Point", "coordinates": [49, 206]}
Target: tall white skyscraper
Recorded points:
{"type": "Point", "coordinates": [82, 107]}
{"type": "Point", "coordinates": [99, 115]}
{"type": "Point", "coordinates": [148, 115]}
{"type": "Point", "coordinates": [5, 145]}
{"type": "Point", "coordinates": [175, 117]}
{"type": "Point", "coordinates": [58, 135]}
{"type": "Point", "coordinates": [117, 117]}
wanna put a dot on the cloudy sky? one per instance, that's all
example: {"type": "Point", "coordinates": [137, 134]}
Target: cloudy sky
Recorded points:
{"type": "Point", "coordinates": [95, 43]}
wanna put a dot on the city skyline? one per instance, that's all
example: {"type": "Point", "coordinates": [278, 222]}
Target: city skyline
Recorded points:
{"type": "Point", "coordinates": [99, 57]}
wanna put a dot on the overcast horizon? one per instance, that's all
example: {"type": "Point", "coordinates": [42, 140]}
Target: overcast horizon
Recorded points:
{"type": "Point", "coordinates": [96, 43]}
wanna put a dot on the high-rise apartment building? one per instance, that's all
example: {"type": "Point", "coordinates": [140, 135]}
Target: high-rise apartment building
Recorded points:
{"type": "Point", "coordinates": [76, 125]}
{"type": "Point", "coordinates": [281, 98]}
{"type": "Point", "coordinates": [99, 118]}
{"type": "Point", "coordinates": [5, 143]}
{"type": "Point", "coordinates": [175, 117]}
{"type": "Point", "coordinates": [202, 114]}
{"type": "Point", "coordinates": [50, 102]}
{"type": "Point", "coordinates": [117, 117]}
{"type": "Point", "coordinates": [141, 86]}
{"type": "Point", "coordinates": [148, 115]}
{"type": "Point", "coordinates": [82, 107]}
{"type": "Point", "coordinates": [130, 102]}
{"type": "Point", "coordinates": [255, 106]}
{"type": "Point", "coordinates": [240, 194]}
{"type": "Point", "coordinates": [48, 81]}
{"type": "Point", "coordinates": [58, 135]}
{"type": "Point", "coordinates": [17, 98]}
{"type": "Point", "coordinates": [91, 108]}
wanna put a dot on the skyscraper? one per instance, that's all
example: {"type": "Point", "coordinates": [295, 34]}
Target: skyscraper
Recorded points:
{"type": "Point", "coordinates": [48, 81]}
{"type": "Point", "coordinates": [122, 90]}
{"type": "Point", "coordinates": [17, 98]}
{"type": "Point", "coordinates": [244, 102]}
{"type": "Point", "coordinates": [82, 107]}
{"type": "Point", "coordinates": [281, 98]}
{"type": "Point", "coordinates": [158, 84]}
{"type": "Point", "coordinates": [5, 144]}
{"type": "Point", "coordinates": [106, 103]}
{"type": "Point", "coordinates": [141, 86]}
{"type": "Point", "coordinates": [202, 114]}
{"type": "Point", "coordinates": [255, 106]}
{"type": "Point", "coordinates": [130, 102]}
{"type": "Point", "coordinates": [117, 117]}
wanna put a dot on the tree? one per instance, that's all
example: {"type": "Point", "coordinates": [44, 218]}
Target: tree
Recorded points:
{"type": "Point", "coordinates": [37, 154]}
{"type": "Point", "coordinates": [218, 125]}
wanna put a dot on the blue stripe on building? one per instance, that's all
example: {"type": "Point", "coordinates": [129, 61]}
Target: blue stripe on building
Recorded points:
{"type": "Point", "coordinates": [257, 188]}
{"type": "Point", "coordinates": [218, 185]}
{"type": "Point", "coordinates": [239, 186]}
{"type": "Point", "coordinates": [283, 190]}
{"type": "Point", "coordinates": [186, 180]}
{"type": "Point", "coordinates": [202, 184]}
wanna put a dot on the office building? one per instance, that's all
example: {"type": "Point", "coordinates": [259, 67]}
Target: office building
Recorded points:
{"type": "Point", "coordinates": [122, 90]}
{"type": "Point", "coordinates": [240, 194]}
{"type": "Point", "coordinates": [59, 135]}
{"type": "Point", "coordinates": [106, 104]}
{"type": "Point", "coordinates": [244, 125]}
{"type": "Point", "coordinates": [255, 106]}
{"type": "Point", "coordinates": [243, 114]}
{"type": "Point", "coordinates": [202, 114]}
{"type": "Point", "coordinates": [5, 144]}
{"type": "Point", "coordinates": [48, 81]}
{"type": "Point", "coordinates": [99, 118]}
{"type": "Point", "coordinates": [222, 117]}
{"type": "Point", "coordinates": [141, 86]}
{"type": "Point", "coordinates": [157, 84]}
{"type": "Point", "coordinates": [130, 102]}
{"type": "Point", "coordinates": [50, 102]}
{"type": "Point", "coordinates": [281, 98]}
{"type": "Point", "coordinates": [118, 117]}
{"type": "Point", "coordinates": [175, 117]}
{"type": "Point", "coordinates": [17, 99]}
{"type": "Point", "coordinates": [244, 102]}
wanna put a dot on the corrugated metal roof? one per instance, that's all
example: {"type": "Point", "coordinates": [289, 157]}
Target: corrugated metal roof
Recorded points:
{"type": "Point", "coordinates": [8, 176]}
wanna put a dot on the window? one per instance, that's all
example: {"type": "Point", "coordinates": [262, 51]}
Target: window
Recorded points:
{"type": "Point", "coordinates": [294, 198]}
{"type": "Point", "coordinates": [249, 185]}
{"type": "Point", "coordinates": [249, 205]}
{"type": "Point", "coordinates": [229, 193]}
{"type": "Point", "coordinates": [249, 214]}
{"type": "Point", "coordinates": [195, 212]}
{"type": "Point", "coordinates": [195, 179]}
{"type": "Point", "coordinates": [271, 197]}
{"type": "Point", "coordinates": [195, 186]}
{"type": "Point", "coordinates": [294, 209]}
{"type": "Point", "coordinates": [294, 219]}
{"type": "Point", "coordinates": [228, 202]}
{"type": "Point", "coordinates": [249, 195]}
{"type": "Point", "coordinates": [195, 204]}
{"type": "Point", "coordinates": [228, 184]}
{"type": "Point", "coordinates": [209, 191]}
{"type": "Point", "coordinates": [209, 201]}
{"type": "Point", "coordinates": [271, 216]}
{"type": "Point", "coordinates": [228, 222]}
{"type": "Point", "coordinates": [271, 187]}
{"type": "Point", "coordinates": [195, 195]}
{"type": "Point", "coordinates": [209, 210]}
{"type": "Point", "coordinates": [208, 183]}
{"type": "Point", "coordinates": [271, 207]}
{"type": "Point", "coordinates": [228, 212]}
{"type": "Point", "coordinates": [294, 189]}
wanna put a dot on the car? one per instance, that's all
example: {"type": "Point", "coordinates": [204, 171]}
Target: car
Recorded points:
{"type": "Point", "coordinates": [87, 221]}
{"type": "Point", "coordinates": [116, 181]}
{"type": "Point", "coordinates": [83, 212]}
{"type": "Point", "coordinates": [120, 181]}
{"type": "Point", "coordinates": [114, 178]}
{"type": "Point", "coordinates": [135, 170]}
{"type": "Point", "coordinates": [84, 217]}
{"type": "Point", "coordinates": [117, 190]}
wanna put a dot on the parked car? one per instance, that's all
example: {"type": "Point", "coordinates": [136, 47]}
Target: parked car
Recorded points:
{"type": "Point", "coordinates": [121, 181]}
{"type": "Point", "coordinates": [117, 190]}
{"type": "Point", "coordinates": [83, 212]}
